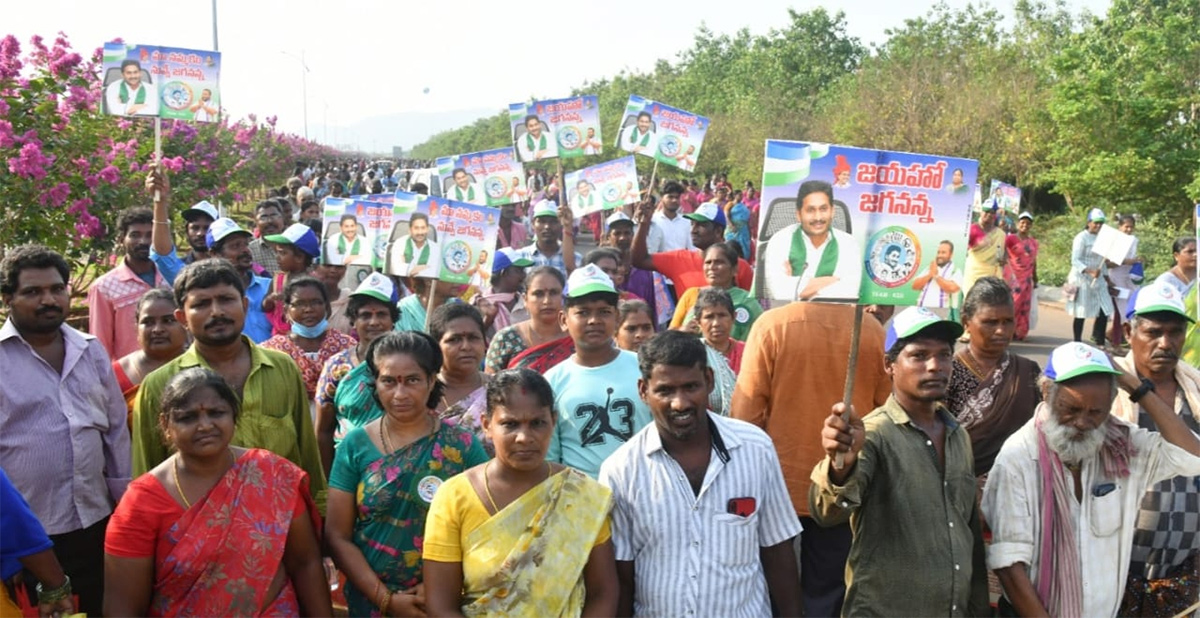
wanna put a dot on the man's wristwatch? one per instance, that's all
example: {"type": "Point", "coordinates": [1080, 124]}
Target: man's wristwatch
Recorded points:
{"type": "Point", "coordinates": [1139, 392]}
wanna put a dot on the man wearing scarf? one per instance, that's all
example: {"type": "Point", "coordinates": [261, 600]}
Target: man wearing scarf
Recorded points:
{"type": "Point", "coordinates": [130, 96]}
{"type": "Point", "coordinates": [822, 263]}
{"type": "Point", "coordinates": [1063, 497]}
{"type": "Point", "coordinates": [941, 285]}
{"type": "Point", "coordinates": [415, 255]}
{"type": "Point", "coordinates": [639, 137]}
{"type": "Point", "coordinates": [1166, 544]}
{"type": "Point", "coordinates": [536, 144]}
{"type": "Point", "coordinates": [904, 479]}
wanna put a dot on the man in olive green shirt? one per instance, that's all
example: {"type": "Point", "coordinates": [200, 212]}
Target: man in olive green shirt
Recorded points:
{"type": "Point", "coordinates": [275, 409]}
{"type": "Point", "coordinates": [907, 486]}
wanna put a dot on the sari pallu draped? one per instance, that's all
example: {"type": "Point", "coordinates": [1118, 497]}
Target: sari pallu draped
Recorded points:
{"type": "Point", "coordinates": [228, 548]}
{"type": "Point", "coordinates": [354, 401]}
{"type": "Point", "coordinates": [544, 357]}
{"type": "Point", "coordinates": [994, 408]}
{"type": "Point", "coordinates": [528, 559]}
{"type": "Point", "coordinates": [390, 524]}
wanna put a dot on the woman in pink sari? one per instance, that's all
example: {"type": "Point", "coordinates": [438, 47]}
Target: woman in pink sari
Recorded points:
{"type": "Point", "coordinates": [1020, 272]}
{"type": "Point", "coordinates": [214, 530]}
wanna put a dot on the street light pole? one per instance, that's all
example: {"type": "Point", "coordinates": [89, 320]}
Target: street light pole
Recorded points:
{"type": "Point", "coordinates": [214, 25]}
{"type": "Point", "coordinates": [303, 84]}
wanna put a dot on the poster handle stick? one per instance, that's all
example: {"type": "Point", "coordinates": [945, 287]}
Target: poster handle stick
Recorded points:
{"type": "Point", "coordinates": [847, 394]}
{"type": "Point", "coordinates": [653, 174]}
{"type": "Point", "coordinates": [157, 148]}
{"type": "Point", "coordinates": [429, 306]}
{"type": "Point", "coordinates": [562, 182]}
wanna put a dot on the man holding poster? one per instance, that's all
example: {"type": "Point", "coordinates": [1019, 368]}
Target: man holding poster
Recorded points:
{"type": "Point", "coordinates": [130, 96]}
{"type": "Point", "coordinates": [639, 138]}
{"type": "Point", "coordinates": [820, 263]}
{"type": "Point", "coordinates": [536, 144]}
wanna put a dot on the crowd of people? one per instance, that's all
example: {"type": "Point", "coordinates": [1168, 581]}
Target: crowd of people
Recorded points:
{"type": "Point", "coordinates": [248, 429]}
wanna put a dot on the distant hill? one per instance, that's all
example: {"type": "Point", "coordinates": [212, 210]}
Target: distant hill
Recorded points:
{"type": "Point", "coordinates": [406, 129]}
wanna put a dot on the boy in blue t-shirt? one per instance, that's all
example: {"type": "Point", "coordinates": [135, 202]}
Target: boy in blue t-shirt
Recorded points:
{"type": "Point", "coordinates": [595, 391]}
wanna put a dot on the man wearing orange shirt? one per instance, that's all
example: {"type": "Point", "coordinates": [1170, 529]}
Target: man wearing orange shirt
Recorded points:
{"type": "Point", "coordinates": [685, 267]}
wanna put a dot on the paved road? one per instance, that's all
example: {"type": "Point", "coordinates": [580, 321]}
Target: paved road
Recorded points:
{"type": "Point", "coordinates": [1053, 329]}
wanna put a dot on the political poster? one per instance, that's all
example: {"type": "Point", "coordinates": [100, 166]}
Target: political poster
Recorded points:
{"type": "Point", "coordinates": [442, 239]}
{"type": "Point", "coordinates": [1005, 196]}
{"type": "Point", "coordinates": [355, 231]}
{"type": "Point", "coordinates": [564, 128]}
{"type": "Point", "coordinates": [853, 225]}
{"type": "Point", "coordinates": [669, 135]}
{"type": "Point", "coordinates": [488, 178]}
{"type": "Point", "coordinates": [602, 187]}
{"type": "Point", "coordinates": [167, 82]}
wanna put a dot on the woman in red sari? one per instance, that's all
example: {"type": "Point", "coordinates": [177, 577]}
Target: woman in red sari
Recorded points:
{"type": "Point", "coordinates": [214, 530]}
{"type": "Point", "coordinates": [1021, 272]}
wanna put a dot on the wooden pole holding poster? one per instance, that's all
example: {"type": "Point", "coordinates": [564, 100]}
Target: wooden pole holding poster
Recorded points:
{"type": "Point", "coordinates": [847, 394]}
{"type": "Point", "coordinates": [157, 148]}
{"type": "Point", "coordinates": [429, 306]}
{"type": "Point", "coordinates": [562, 182]}
{"type": "Point", "coordinates": [653, 173]}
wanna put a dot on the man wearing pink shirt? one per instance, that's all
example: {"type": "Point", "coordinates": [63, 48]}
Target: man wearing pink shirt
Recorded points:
{"type": "Point", "coordinates": [112, 298]}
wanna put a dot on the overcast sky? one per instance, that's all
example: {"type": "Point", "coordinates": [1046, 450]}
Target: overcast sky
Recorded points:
{"type": "Point", "coordinates": [373, 58]}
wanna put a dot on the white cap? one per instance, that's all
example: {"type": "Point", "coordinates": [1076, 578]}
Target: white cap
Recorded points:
{"type": "Point", "coordinates": [203, 207]}
{"type": "Point", "coordinates": [1074, 359]}
{"type": "Point", "coordinates": [379, 287]}
{"type": "Point", "coordinates": [220, 228]}
{"type": "Point", "coordinates": [618, 217]}
{"type": "Point", "coordinates": [587, 280]}
{"type": "Point", "coordinates": [1154, 298]}
{"type": "Point", "coordinates": [545, 208]}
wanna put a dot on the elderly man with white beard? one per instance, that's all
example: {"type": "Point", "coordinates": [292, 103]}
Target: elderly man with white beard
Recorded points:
{"type": "Point", "coordinates": [1062, 499]}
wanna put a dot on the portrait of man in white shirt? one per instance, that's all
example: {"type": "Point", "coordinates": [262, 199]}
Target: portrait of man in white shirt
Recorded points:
{"type": "Point", "coordinates": [464, 190]}
{"type": "Point", "coordinates": [130, 96]}
{"type": "Point", "coordinates": [639, 137]}
{"type": "Point", "coordinates": [822, 263]}
{"type": "Point", "coordinates": [536, 144]}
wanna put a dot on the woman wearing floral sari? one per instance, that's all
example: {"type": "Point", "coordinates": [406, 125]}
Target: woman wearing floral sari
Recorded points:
{"type": "Point", "coordinates": [343, 396]}
{"type": "Point", "coordinates": [458, 329]}
{"type": "Point", "coordinates": [214, 530]}
{"type": "Point", "coordinates": [519, 535]}
{"type": "Point", "coordinates": [1021, 272]}
{"type": "Point", "coordinates": [993, 392]}
{"type": "Point", "coordinates": [386, 473]}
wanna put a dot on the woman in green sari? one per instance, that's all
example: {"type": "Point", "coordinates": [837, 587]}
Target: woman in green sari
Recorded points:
{"type": "Point", "coordinates": [344, 398]}
{"type": "Point", "coordinates": [520, 536]}
{"type": "Point", "coordinates": [385, 475]}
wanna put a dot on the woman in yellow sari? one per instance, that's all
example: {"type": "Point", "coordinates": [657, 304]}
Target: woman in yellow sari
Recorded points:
{"type": "Point", "coordinates": [986, 254]}
{"type": "Point", "coordinates": [519, 535]}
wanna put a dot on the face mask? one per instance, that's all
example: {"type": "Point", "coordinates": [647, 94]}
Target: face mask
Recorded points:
{"type": "Point", "coordinates": [311, 332]}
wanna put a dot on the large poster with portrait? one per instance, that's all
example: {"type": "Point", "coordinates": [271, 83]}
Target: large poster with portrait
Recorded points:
{"type": "Point", "coordinates": [563, 128]}
{"type": "Point", "coordinates": [853, 225]}
{"type": "Point", "coordinates": [667, 134]}
{"type": "Point", "coordinates": [602, 187]}
{"type": "Point", "coordinates": [355, 231]}
{"type": "Point", "coordinates": [436, 238]}
{"type": "Point", "coordinates": [167, 82]}
{"type": "Point", "coordinates": [488, 178]}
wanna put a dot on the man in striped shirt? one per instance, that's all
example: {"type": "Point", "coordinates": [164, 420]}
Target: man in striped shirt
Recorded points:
{"type": "Point", "coordinates": [702, 521]}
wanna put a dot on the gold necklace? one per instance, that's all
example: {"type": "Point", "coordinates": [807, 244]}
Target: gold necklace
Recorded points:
{"type": "Point", "coordinates": [186, 503]}
{"type": "Point", "coordinates": [175, 468]}
{"type": "Point", "coordinates": [387, 448]}
{"type": "Point", "coordinates": [487, 487]}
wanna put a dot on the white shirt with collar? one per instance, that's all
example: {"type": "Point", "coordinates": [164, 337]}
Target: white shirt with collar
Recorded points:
{"type": "Point", "coordinates": [667, 234]}
{"type": "Point", "coordinates": [1104, 525]}
{"type": "Point", "coordinates": [112, 97]}
{"type": "Point", "coordinates": [527, 154]}
{"type": "Point", "coordinates": [631, 141]}
{"type": "Point", "coordinates": [691, 556]}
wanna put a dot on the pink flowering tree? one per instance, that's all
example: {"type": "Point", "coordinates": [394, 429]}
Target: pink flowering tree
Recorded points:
{"type": "Point", "coordinates": [70, 170]}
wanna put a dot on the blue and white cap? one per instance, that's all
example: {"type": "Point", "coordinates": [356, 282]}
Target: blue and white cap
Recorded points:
{"type": "Point", "coordinates": [1096, 215]}
{"type": "Point", "coordinates": [299, 235]}
{"type": "Point", "coordinates": [220, 228]}
{"type": "Point", "coordinates": [379, 287]}
{"type": "Point", "coordinates": [916, 319]}
{"type": "Point", "coordinates": [708, 212]}
{"type": "Point", "coordinates": [1154, 298]}
{"type": "Point", "coordinates": [1075, 359]}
